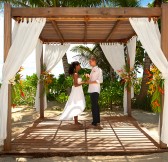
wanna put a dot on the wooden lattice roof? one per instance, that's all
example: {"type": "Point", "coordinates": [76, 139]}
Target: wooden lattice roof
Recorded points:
{"type": "Point", "coordinates": [86, 25]}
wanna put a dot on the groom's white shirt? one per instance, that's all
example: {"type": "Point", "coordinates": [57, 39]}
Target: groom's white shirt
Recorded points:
{"type": "Point", "coordinates": [95, 75]}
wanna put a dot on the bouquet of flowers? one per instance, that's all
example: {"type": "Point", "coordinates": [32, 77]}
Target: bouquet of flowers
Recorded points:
{"type": "Point", "coordinates": [128, 76]}
{"type": "Point", "coordinates": [155, 82]}
{"type": "Point", "coordinates": [85, 77]}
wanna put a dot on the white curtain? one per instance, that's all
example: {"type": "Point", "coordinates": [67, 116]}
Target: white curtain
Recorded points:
{"type": "Point", "coordinates": [53, 54]}
{"type": "Point", "coordinates": [115, 55]}
{"type": "Point", "coordinates": [149, 35]}
{"type": "Point", "coordinates": [24, 41]}
{"type": "Point", "coordinates": [131, 46]}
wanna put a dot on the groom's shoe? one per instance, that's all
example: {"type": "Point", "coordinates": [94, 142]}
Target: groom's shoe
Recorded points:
{"type": "Point", "coordinates": [91, 126]}
{"type": "Point", "coordinates": [94, 124]}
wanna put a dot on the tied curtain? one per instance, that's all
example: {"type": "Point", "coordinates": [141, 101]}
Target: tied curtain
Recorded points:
{"type": "Point", "coordinates": [24, 40]}
{"type": "Point", "coordinates": [39, 50]}
{"type": "Point", "coordinates": [115, 55]}
{"type": "Point", "coordinates": [131, 47]}
{"type": "Point", "coordinates": [53, 54]}
{"type": "Point", "coordinates": [149, 35]}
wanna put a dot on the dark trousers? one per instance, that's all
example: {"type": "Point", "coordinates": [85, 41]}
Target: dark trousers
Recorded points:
{"type": "Point", "coordinates": [95, 107]}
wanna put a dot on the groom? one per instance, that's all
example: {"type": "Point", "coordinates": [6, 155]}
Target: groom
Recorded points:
{"type": "Point", "coordinates": [95, 79]}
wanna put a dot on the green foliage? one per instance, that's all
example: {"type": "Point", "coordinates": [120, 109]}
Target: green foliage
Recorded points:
{"type": "Point", "coordinates": [112, 92]}
{"type": "Point", "coordinates": [125, 3]}
{"type": "Point", "coordinates": [140, 55]}
{"type": "Point", "coordinates": [58, 88]}
{"type": "Point", "coordinates": [54, 3]}
{"type": "Point", "coordinates": [144, 104]}
{"type": "Point", "coordinates": [29, 89]}
{"type": "Point", "coordinates": [137, 86]}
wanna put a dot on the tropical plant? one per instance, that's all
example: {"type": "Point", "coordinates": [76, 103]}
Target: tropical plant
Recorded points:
{"type": "Point", "coordinates": [125, 3]}
{"type": "Point", "coordinates": [111, 94]}
{"type": "Point", "coordinates": [46, 78]}
{"type": "Point", "coordinates": [53, 3]}
{"type": "Point", "coordinates": [29, 86]}
{"type": "Point", "coordinates": [155, 82]}
{"type": "Point", "coordinates": [128, 76]}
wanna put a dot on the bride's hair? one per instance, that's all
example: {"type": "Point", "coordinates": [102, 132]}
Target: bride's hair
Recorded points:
{"type": "Point", "coordinates": [72, 67]}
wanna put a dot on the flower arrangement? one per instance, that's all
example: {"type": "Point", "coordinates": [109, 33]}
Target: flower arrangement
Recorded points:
{"type": "Point", "coordinates": [47, 78]}
{"type": "Point", "coordinates": [155, 82]}
{"type": "Point", "coordinates": [85, 77]}
{"type": "Point", "coordinates": [16, 83]}
{"type": "Point", "coordinates": [128, 76]}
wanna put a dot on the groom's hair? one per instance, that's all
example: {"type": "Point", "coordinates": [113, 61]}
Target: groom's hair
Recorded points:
{"type": "Point", "coordinates": [93, 58]}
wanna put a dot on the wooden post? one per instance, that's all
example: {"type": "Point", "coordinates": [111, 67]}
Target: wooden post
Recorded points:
{"type": "Point", "coordinates": [41, 90]}
{"type": "Point", "coordinates": [128, 89]}
{"type": "Point", "coordinates": [164, 40]}
{"type": "Point", "coordinates": [129, 101]}
{"type": "Point", "coordinates": [7, 44]}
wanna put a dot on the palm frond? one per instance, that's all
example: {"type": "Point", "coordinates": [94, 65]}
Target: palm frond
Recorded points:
{"type": "Point", "coordinates": [125, 3]}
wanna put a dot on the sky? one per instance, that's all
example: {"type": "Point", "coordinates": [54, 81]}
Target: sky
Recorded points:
{"type": "Point", "coordinates": [29, 64]}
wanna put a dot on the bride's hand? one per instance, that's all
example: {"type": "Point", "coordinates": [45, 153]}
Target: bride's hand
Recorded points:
{"type": "Point", "coordinates": [87, 75]}
{"type": "Point", "coordinates": [87, 82]}
{"type": "Point", "coordinates": [83, 82]}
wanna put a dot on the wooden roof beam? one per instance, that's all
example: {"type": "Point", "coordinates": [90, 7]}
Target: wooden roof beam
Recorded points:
{"type": "Point", "coordinates": [56, 28]}
{"type": "Point", "coordinates": [82, 41]}
{"type": "Point", "coordinates": [113, 28]}
{"type": "Point", "coordinates": [83, 12]}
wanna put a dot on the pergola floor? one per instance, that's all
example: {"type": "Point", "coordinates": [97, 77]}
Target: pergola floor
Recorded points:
{"type": "Point", "coordinates": [120, 135]}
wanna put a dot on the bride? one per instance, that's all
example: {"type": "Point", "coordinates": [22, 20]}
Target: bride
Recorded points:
{"type": "Point", "coordinates": [76, 101]}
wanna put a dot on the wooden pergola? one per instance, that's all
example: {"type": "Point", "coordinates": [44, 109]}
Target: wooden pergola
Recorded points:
{"type": "Point", "coordinates": [82, 25]}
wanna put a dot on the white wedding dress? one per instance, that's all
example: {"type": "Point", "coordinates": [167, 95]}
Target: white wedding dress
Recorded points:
{"type": "Point", "coordinates": [75, 104]}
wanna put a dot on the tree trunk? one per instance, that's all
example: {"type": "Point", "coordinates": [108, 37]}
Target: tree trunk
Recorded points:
{"type": "Point", "coordinates": [144, 86]}
{"type": "Point", "coordinates": [112, 74]}
{"type": "Point", "coordinates": [65, 65]}
{"type": "Point", "coordinates": [66, 70]}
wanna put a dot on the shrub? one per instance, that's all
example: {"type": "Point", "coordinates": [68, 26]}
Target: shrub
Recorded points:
{"type": "Point", "coordinates": [29, 86]}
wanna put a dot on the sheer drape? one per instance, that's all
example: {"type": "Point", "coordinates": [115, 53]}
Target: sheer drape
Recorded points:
{"type": "Point", "coordinates": [149, 35]}
{"type": "Point", "coordinates": [53, 54]}
{"type": "Point", "coordinates": [115, 55]}
{"type": "Point", "coordinates": [24, 41]}
{"type": "Point", "coordinates": [131, 46]}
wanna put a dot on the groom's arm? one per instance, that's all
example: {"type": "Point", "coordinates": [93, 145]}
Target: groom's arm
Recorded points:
{"type": "Point", "coordinates": [99, 79]}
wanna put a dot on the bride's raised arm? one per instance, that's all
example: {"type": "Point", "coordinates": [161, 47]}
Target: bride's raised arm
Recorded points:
{"type": "Point", "coordinates": [75, 77]}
